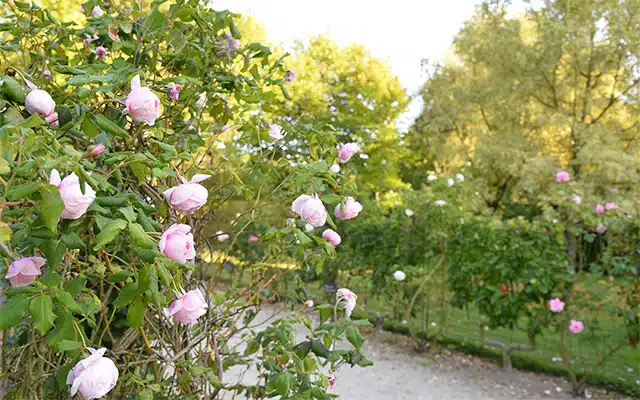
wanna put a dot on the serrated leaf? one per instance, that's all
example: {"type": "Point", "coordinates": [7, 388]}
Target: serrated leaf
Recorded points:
{"type": "Point", "coordinates": [354, 337]}
{"type": "Point", "coordinates": [140, 237]}
{"type": "Point", "coordinates": [72, 240]}
{"type": "Point", "coordinates": [13, 310]}
{"type": "Point", "coordinates": [23, 191]}
{"type": "Point", "coordinates": [126, 295]}
{"type": "Point", "coordinates": [135, 313]}
{"type": "Point", "coordinates": [75, 285]}
{"type": "Point", "coordinates": [51, 279]}
{"type": "Point", "coordinates": [109, 233]}
{"type": "Point", "coordinates": [41, 309]}
{"type": "Point", "coordinates": [120, 276]}
{"type": "Point", "coordinates": [67, 345]}
{"type": "Point", "coordinates": [54, 252]}
{"type": "Point", "coordinates": [51, 206]}
{"type": "Point", "coordinates": [66, 299]}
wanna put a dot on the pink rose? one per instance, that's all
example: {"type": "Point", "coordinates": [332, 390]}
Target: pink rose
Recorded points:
{"type": "Point", "coordinates": [222, 237]}
{"type": "Point", "coordinates": [562, 176]}
{"type": "Point", "coordinates": [332, 381]}
{"type": "Point", "coordinates": [46, 73]}
{"type": "Point", "coordinates": [189, 196]}
{"type": "Point", "coordinates": [348, 210]}
{"type": "Point", "coordinates": [601, 229]}
{"type": "Point", "coordinates": [177, 243]}
{"type": "Point", "coordinates": [95, 152]}
{"type": "Point", "coordinates": [88, 39]}
{"type": "Point", "coordinates": [94, 376]}
{"type": "Point", "coordinates": [229, 43]}
{"type": "Point", "coordinates": [556, 305]}
{"type": "Point", "coordinates": [309, 303]}
{"type": "Point", "coordinates": [253, 239]}
{"type": "Point", "coordinates": [97, 12]}
{"type": "Point", "coordinates": [610, 206]}
{"type": "Point", "coordinates": [576, 326]}
{"type": "Point", "coordinates": [188, 308]}
{"type": "Point", "coordinates": [332, 237]}
{"type": "Point", "coordinates": [100, 52]}
{"type": "Point", "coordinates": [348, 298]}
{"type": "Point", "coordinates": [290, 76]}
{"type": "Point", "coordinates": [174, 91]}
{"type": "Point", "coordinates": [76, 203]}
{"type": "Point", "coordinates": [25, 270]}
{"type": "Point", "coordinates": [142, 104]}
{"type": "Point", "coordinates": [275, 132]}
{"type": "Point", "coordinates": [577, 199]}
{"type": "Point", "coordinates": [52, 119]}
{"type": "Point", "coordinates": [599, 209]}
{"type": "Point", "coordinates": [347, 151]}
{"type": "Point", "coordinates": [39, 102]}
{"type": "Point", "coordinates": [310, 209]}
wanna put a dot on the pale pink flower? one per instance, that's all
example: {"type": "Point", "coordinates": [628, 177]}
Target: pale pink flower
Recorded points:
{"type": "Point", "coordinates": [310, 209]}
{"type": "Point", "coordinates": [75, 201]}
{"type": "Point", "coordinates": [142, 104]}
{"type": "Point", "coordinates": [229, 43]}
{"type": "Point", "coordinates": [88, 39]}
{"type": "Point", "coordinates": [46, 73]}
{"type": "Point", "coordinates": [611, 206]}
{"type": "Point", "coordinates": [335, 168]}
{"type": "Point", "coordinates": [600, 209]}
{"type": "Point", "coordinates": [347, 151]}
{"type": "Point", "coordinates": [332, 381]}
{"type": "Point", "coordinates": [601, 229]}
{"type": "Point", "coordinates": [97, 12]}
{"type": "Point", "coordinates": [39, 102]}
{"type": "Point", "coordinates": [94, 376]}
{"type": "Point", "coordinates": [25, 270]}
{"type": "Point", "coordinates": [348, 298]}
{"type": "Point", "coordinates": [399, 276]}
{"type": "Point", "coordinates": [174, 91]}
{"type": "Point", "coordinates": [349, 210]}
{"type": "Point", "coordinates": [290, 76]}
{"type": "Point", "coordinates": [100, 52]}
{"type": "Point", "coordinates": [189, 196]}
{"type": "Point", "coordinates": [177, 243]}
{"type": "Point", "coordinates": [96, 151]}
{"type": "Point", "coordinates": [222, 237]}
{"type": "Point", "coordinates": [562, 176]}
{"type": "Point", "coordinates": [188, 308]}
{"type": "Point", "coordinates": [52, 119]}
{"type": "Point", "coordinates": [577, 199]}
{"type": "Point", "coordinates": [576, 326]}
{"type": "Point", "coordinates": [275, 132]}
{"type": "Point", "coordinates": [309, 303]}
{"type": "Point", "coordinates": [202, 98]}
{"type": "Point", "coordinates": [556, 305]}
{"type": "Point", "coordinates": [332, 237]}
{"type": "Point", "coordinates": [253, 239]}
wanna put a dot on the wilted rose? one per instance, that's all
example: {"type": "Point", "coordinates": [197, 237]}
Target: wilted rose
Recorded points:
{"type": "Point", "coordinates": [275, 132]}
{"type": "Point", "coordinates": [39, 102]}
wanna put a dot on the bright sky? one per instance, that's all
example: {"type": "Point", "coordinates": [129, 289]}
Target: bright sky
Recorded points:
{"type": "Point", "coordinates": [404, 32]}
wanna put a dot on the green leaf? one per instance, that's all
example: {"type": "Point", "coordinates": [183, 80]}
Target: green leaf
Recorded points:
{"type": "Point", "coordinates": [66, 299]}
{"type": "Point", "coordinates": [153, 21]}
{"type": "Point", "coordinates": [325, 311]}
{"type": "Point", "coordinates": [140, 237]}
{"type": "Point", "coordinates": [215, 381]}
{"type": "Point", "coordinates": [88, 127]}
{"type": "Point", "coordinates": [126, 295]}
{"type": "Point", "coordinates": [135, 313]}
{"type": "Point", "coordinates": [252, 347]}
{"type": "Point", "coordinates": [13, 310]}
{"type": "Point", "coordinates": [41, 309]}
{"type": "Point", "coordinates": [20, 192]}
{"type": "Point", "coordinates": [63, 330]}
{"type": "Point", "coordinates": [13, 89]}
{"type": "Point", "coordinates": [119, 276]}
{"type": "Point", "coordinates": [139, 170]}
{"type": "Point", "coordinates": [51, 206]}
{"type": "Point", "coordinates": [128, 213]}
{"type": "Point", "coordinates": [72, 240]}
{"type": "Point", "coordinates": [282, 384]}
{"type": "Point", "coordinates": [51, 279]}
{"type": "Point", "coordinates": [5, 168]}
{"type": "Point", "coordinates": [66, 345]}
{"type": "Point", "coordinates": [331, 198]}
{"type": "Point", "coordinates": [354, 337]}
{"type": "Point", "coordinates": [32, 122]}
{"type": "Point", "coordinates": [110, 232]}
{"type": "Point", "coordinates": [110, 127]}
{"type": "Point", "coordinates": [75, 285]}
{"type": "Point", "coordinates": [54, 252]}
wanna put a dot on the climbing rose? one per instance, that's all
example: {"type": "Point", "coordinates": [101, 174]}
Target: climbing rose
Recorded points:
{"type": "Point", "coordinates": [562, 176]}
{"type": "Point", "coordinates": [177, 243]}
{"type": "Point", "coordinates": [76, 203]}
{"type": "Point", "coordinates": [275, 132]}
{"type": "Point", "coordinates": [309, 303]}
{"type": "Point", "coordinates": [332, 381]}
{"type": "Point", "coordinates": [601, 229]}
{"type": "Point", "coordinates": [431, 178]}
{"type": "Point", "coordinates": [188, 308]}
{"type": "Point", "coordinates": [408, 213]}
{"type": "Point", "coordinates": [349, 298]}
{"type": "Point", "coordinates": [332, 237]}
{"type": "Point", "coordinates": [222, 237]}
{"type": "Point", "coordinates": [348, 210]}
{"type": "Point", "coordinates": [189, 196]}
{"type": "Point", "coordinates": [39, 102]}
{"type": "Point", "coordinates": [97, 150]}
{"type": "Point", "coordinates": [100, 52]}
{"type": "Point", "coordinates": [142, 104]}
{"type": "Point", "coordinates": [88, 39]}
{"type": "Point", "coordinates": [556, 305]}
{"type": "Point", "coordinates": [24, 271]}
{"type": "Point", "coordinates": [335, 168]}
{"type": "Point", "coordinates": [450, 182]}
{"type": "Point", "coordinates": [202, 98]}
{"type": "Point", "coordinates": [46, 73]}
{"type": "Point", "coordinates": [599, 209]}
{"type": "Point", "coordinates": [460, 177]}
{"type": "Point", "coordinates": [94, 376]}
{"type": "Point", "coordinates": [308, 228]}
{"type": "Point", "coordinates": [290, 76]}
{"type": "Point", "coordinates": [399, 276]}
{"type": "Point", "coordinates": [253, 239]}
{"type": "Point", "coordinates": [229, 43]}
{"type": "Point", "coordinates": [576, 326]}
{"type": "Point", "coordinates": [347, 151]}
{"type": "Point", "coordinates": [610, 206]}
{"type": "Point", "coordinates": [97, 12]}
{"type": "Point", "coordinates": [577, 199]}
{"type": "Point", "coordinates": [174, 91]}
{"type": "Point", "coordinates": [310, 209]}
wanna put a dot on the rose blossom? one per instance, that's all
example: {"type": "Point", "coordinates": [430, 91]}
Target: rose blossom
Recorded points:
{"type": "Point", "coordinates": [349, 298]}
{"type": "Point", "coordinates": [39, 102]}
{"type": "Point", "coordinates": [310, 209]}
{"type": "Point", "coordinates": [97, 150]}
{"type": "Point", "coordinates": [576, 326]}
{"type": "Point", "coordinates": [460, 177]}
{"type": "Point", "coordinates": [253, 239]}
{"type": "Point", "coordinates": [450, 182]}
{"type": "Point", "coordinates": [94, 376]}
{"type": "Point", "coordinates": [431, 178]}
{"type": "Point", "coordinates": [309, 303]}
{"type": "Point", "coordinates": [100, 52]}
{"type": "Point", "coordinates": [408, 212]}
{"type": "Point", "coordinates": [290, 76]}
{"type": "Point", "coordinates": [610, 206]}
{"type": "Point", "coordinates": [46, 73]}
{"type": "Point", "coordinates": [348, 210]}
{"type": "Point", "coordinates": [599, 209]}
{"type": "Point", "coordinates": [562, 176]}
{"type": "Point", "coordinates": [335, 168]}
{"type": "Point", "coordinates": [177, 243]}
{"type": "Point", "coordinates": [347, 151]}
{"type": "Point", "coordinates": [222, 237]}
{"type": "Point", "coordinates": [188, 308]}
{"type": "Point", "coordinates": [331, 381]}
{"type": "Point", "coordinates": [76, 203]}
{"type": "Point", "coordinates": [440, 203]}
{"type": "Point", "coordinates": [202, 98]}
{"type": "Point", "coordinates": [88, 39]}
{"type": "Point", "coordinates": [189, 196]}
{"type": "Point", "coordinates": [399, 276]}
{"type": "Point", "coordinates": [142, 104]}
{"type": "Point", "coordinates": [556, 305]}
{"type": "Point", "coordinates": [601, 229]}
{"type": "Point", "coordinates": [275, 132]}
{"type": "Point", "coordinates": [25, 270]}
{"type": "Point", "coordinates": [577, 199]}
{"type": "Point", "coordinates": [97, 12]}
{"type": "Point", "coordinates": [332, 237]}
{"type": "Point", "coordinates": [174, 91]}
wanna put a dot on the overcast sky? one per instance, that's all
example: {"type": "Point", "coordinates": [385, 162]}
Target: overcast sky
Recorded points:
{"type": "Point", "coordinates": [403, 32]}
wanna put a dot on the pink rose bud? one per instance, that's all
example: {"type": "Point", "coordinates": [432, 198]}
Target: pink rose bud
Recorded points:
{"type": "Point", "coordinates": [347, 151]}
{"type": "Point", "coordinates": [94, 376]}
{"type": "Point", "coordinates": [75, 201]}
{"type": "Point", "coordinates": [97, 150]}
{"type": "Point", "coordinates": [332, 381]}
{"type": "Point", "coordinates": [97, 12]}
{"type": "Point", "coordinates": [25, 270]}
{"type": "Point", "coordinates": [577, 199]}
{"type": "Point", "coordinates": [347, 297]}
{"type": "Point", "coordinates": [348, 210]}
{"type": "Point", "coordinates": [599, 209]}
{"type": "Point", "coordinates": [253, 239]}
{"type": "Point", "coordinates": [601, 229]}
{"type": "Point", "coordinates": [202, 99]}
{"type": "Point", "coordinates": [310, 209]}
{"type": "Point", "coordinates": [88, 39]}
{"type": "Point", "coordinates": [142, 104]}
{"type": "Point", "coordinates": [177, 243]}
{"type": "Point", "coordinates": [275, 132]}
{"type": "Point", "coordinates": [188, 308]}
{"type": "Point", "coordinates": [229, 43]}
{"type": "Point", "coordinates": [100, 52]}
{"type": "Point", "coordinates": [556, 305]}
{"type": "Point", "coordinates": [576, 326]}
{"type": "Point", "coordinates": [290, 76]}
{"type": "Point", "coordinates": [174, 91]}
{"type": "Point", "coordinates": [332, 237]}
{"type": "Point", "coordinates": [611, 206]}
{"type": "Point", "coordinates": [46, 73]}
{"type": "Point", "coordinates": [309, 303]}
{"type": "Point", "coordinates": [189, 196]}
{"type": "Point", "coordinates": [52, 119]}
{"type": "Point", "coordinates": [562, 176]}
{"type": "Point", "coordinates": [39, 102]}
{"type": "Point", "coordinates": [222, 237]}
